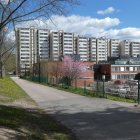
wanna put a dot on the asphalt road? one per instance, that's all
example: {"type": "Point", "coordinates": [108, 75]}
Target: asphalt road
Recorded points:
{"type": "Point", "coordinates": [89, 118]}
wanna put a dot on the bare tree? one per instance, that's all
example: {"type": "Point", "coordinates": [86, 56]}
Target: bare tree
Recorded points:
{"type": "Point", "coordinates": [7, 47]}
{"type": "Point", "coordinates": [22, 10]}
{"type": "Point", "coordinates": [13, 11]}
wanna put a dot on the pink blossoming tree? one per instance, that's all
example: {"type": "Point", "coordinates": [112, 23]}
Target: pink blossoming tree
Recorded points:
{"type": "Point", "coordinates": [72, 69]}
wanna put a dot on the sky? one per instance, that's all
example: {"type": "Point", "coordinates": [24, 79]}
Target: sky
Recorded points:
{"type": "Point", "coordinates": [116, 19]}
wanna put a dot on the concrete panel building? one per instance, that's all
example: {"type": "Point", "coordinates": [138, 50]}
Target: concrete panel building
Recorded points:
{"type": "Point", "coordinates": [32, 46]}
{"type": "Point", "coordinates": [35, 45]}
{"type": "Point", "coordinates": [101, 49]}
{"type": "Point", "coordinates": [125, 48]}
{"type": "Point", "coordinates": [83, 48]}
{"type": "Point", "coordinates": [93, 49]}
{"type": "Point", "coordinates": [25, 48]}
{"type": "Point", "coordinates": [42, 44]}
{"type": "Point", "coordinates": [55, 45]}
{"type": "Point", "coordinates": [61, 43]}
{"type": "Point", "coordinates": [114, 50]}
{"type": "Point", "coordinates": [67, 43]}
{"type": "Point", "coordinates": [135, 49]}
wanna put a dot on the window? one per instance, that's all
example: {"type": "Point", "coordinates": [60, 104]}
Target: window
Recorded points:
{"type": "Point", "coordinates": [121, 68]}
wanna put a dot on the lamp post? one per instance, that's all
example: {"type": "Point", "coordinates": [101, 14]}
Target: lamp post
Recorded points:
{"type": "Point", "coordinates": [103, 78]}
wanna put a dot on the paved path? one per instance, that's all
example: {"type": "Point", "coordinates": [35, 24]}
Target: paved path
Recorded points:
{"type": "Point", "coordinates": [89, 118]}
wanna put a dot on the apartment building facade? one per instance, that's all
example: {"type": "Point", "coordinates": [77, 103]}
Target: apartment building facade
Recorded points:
{"type": "Point", "coordinates": [61, 43]}
{"type": "Point", "coordinates": [114, 48]}
{"type": "Point", "coordinates": [55, 45]}
{"type": "Point", "coordinates": [101, 49]}
{"type": "Point", "coordinates": [34, 45]}
{"type": "Point", "coordinates": [135, 49]}
{"type": "Point", "coordinates": [43, 46]}
{"type": "Point", "coordinates": [68, 43]}
{"type": "Point", "coordinates": [124, 48]}
{"type": "Point", "coordinates": [83, 47]}
{"type": "Point", "coordinates": [25, 45]}
{"type": "Point", "coordinates": [93, 49]}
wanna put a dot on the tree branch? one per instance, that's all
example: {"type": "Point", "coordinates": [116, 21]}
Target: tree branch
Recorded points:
{"type": "Point", "coordinates": [3, 22]}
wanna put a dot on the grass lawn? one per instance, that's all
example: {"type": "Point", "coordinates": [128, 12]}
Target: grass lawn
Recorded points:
{"type": "Point", "coordinates": [32, 124]}
{"type": "Point", "coordinates": [9, 91]}
{"type": "Point", "coordinates": [27, 123]}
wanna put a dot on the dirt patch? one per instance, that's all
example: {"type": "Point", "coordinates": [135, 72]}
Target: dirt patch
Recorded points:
{"type": "Point", "coordinates": [24, 104]}
{"type": "Point", "coordinates": [9, 134]}
{"type": "Point", "coordinates": [4, 98]}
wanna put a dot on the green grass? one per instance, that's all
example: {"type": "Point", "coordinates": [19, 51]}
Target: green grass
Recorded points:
{"type": "Point", "coordinates": [86, 92]}
{"type": "Point", "coordinates": [91, 93]}
{"type": "Point", "coordinates": [29, 124]}
{"type": "Point", "coordinates": [121, 99]}
{"type": "Point", "coordinates": [33, 124]}
{"type": "Point", "coordinates": [11, 91]}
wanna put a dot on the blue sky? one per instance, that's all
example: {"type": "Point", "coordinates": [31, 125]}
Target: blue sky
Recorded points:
{"type": "Point", "coordinates": [116, 19]}
{"type": "Point", "coordinates": [126, 10]}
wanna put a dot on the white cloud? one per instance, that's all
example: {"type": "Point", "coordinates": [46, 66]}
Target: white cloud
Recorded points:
{"type": "Point", "coordinates": [83, 25]}
{"type": "Point", "coordinates": [130, 33]}
{"type": "Point", "coordinates": [75, 23]}
{"type": "Point", "coordinates": [109, 10]}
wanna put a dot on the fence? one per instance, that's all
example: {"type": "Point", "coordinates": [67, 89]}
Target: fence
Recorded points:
{"type": "Point", "coordinates": [97, 89]}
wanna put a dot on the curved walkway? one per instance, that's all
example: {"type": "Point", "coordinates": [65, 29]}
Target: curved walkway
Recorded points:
{"type": "Point", "coordinates": [89, 118]}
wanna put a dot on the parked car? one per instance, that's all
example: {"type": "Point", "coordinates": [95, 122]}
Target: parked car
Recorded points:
{"type": "Point", "coordinates": [113, 91]}
{"type": "Point", "coordinates": [123, 91]}
{"type": "Point", "coordinates": [120, 90]}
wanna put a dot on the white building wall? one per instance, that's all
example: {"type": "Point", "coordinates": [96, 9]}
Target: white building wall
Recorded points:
{"type": "Point", "coordinates": [24, 46]}
{"type": "Point", "coordinates": [102, 49]}
{"type": "Point", "coordinates": [114, 47]}
{"type": "Point", "coordinates": [135, 49]}
{"type": "Point", "coordinates": [93, 50]}
{"type": "Point", "coordinates": [83, 48]}
{"type": "Point", "coordinates": [55, 45]}
{"type": "Point", "coordinates": [31, 44]}
{"type": "Point", "coordinates": [43, 43]}
{"type": "Point", "coordinates": [68, 43]}
{"type": "Point", "coordinates": [125, 48]}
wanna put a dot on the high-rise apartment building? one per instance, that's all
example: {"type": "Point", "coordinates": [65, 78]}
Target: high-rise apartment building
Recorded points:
{"type": "Point", "coordinates": [61, 43]}
{"type": "Point", "coordinates": [83, 48]}
{"type": "Point", "coordinates": [75, 44]}
{"type": "Point", "coordinates": [135, 49]}
{"type": "Point", "coordinates": [55, 45]}
{"type": "Point", "coordinates": [114, 50]}
{"type": "Point", "coordinates": [25, 47]}
{"type": "Point", "coordinates": [125, 48]}
{"type": "Point", "coordinates": [32, 46]}
{"type": "Point", "coordinates": [67, 43]}
{"type": "Point", "coordinates": [43, 46]}
{"type": "Point", "coordinates": [93, 49]}
{"type": "Point", "coordinates": [101, 49]}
